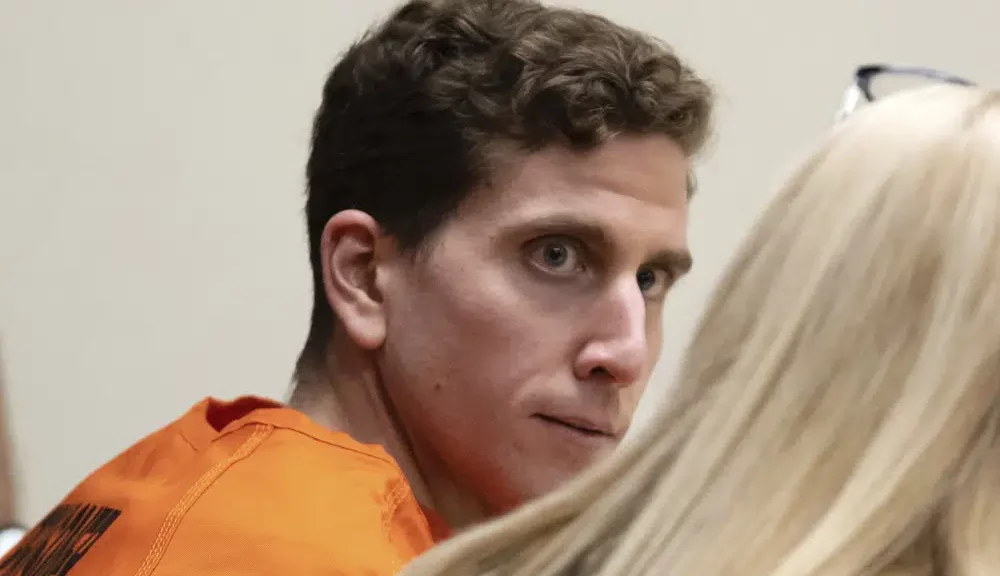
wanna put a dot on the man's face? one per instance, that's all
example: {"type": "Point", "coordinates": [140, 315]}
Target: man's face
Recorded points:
{"type": "Point", "coordinates": [518, 344]}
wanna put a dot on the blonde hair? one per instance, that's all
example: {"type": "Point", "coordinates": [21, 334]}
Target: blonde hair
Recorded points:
{"type": "Point", "coordinates": [837, 413]}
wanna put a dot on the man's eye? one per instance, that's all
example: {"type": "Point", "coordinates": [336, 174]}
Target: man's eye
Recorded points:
{"type": "Point", "coordinates": [557, 256]}
{"type": "Point", "coordinates": [653, 282]}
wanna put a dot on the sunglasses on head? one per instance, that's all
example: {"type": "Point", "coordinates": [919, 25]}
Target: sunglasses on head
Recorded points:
{"type": "Point", "coordinates": [875, 81]}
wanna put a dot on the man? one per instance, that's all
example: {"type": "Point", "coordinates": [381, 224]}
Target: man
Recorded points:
{"type": "Point", "coordinates": [497, 208]}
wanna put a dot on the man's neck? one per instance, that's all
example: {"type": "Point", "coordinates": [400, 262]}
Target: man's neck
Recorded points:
{"type": "Point", "coordinates": [346, 395]}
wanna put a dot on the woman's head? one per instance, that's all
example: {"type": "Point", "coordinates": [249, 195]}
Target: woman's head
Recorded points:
{"type": "Point", "coordinates": [837, 413]}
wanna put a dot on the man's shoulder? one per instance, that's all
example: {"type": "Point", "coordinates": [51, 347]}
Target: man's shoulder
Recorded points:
{"type": "Point", "coordinates": [297, 504]}
{"type": "Point", "coordinates": [321, 469]}
{"type": "Point", "coordinates": [304, 497]}
{"type": "Point", "coordinates": [251, 489]}
{"type": "Point", "coordinates": [252, 446]}
{"type": "Point", "coordinates": [296, 444]}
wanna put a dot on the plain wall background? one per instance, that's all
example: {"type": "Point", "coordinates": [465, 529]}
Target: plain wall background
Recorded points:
{"type": "Point", "coordinates": [151, 158]}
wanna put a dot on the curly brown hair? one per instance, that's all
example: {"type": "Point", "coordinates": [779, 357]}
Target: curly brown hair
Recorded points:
{"type": "Point", "coordinates": [410, 114]}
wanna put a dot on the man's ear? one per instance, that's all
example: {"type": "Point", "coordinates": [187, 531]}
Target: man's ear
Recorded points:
{"type": "Point", "coordinates": [347, 249]}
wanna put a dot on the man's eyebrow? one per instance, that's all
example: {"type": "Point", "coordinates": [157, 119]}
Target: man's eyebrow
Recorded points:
{"type": "Point", "coordinates": [676, 261]}
{"type": "Point", "coordinates": [562, 224]}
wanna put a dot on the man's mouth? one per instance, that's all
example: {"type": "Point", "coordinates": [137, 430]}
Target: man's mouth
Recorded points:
{"type": "Point", "coordinates": [577, 425]}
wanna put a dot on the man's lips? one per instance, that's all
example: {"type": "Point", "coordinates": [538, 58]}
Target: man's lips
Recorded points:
{"type": "Point", "coordinates": [581, 425]}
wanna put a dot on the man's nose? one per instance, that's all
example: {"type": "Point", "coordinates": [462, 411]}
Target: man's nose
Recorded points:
{"type": "Point", "coordinates": [617, 350]}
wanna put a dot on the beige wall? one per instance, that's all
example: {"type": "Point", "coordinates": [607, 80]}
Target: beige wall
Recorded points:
{"type": "Point", "coordinates": [151, 160]}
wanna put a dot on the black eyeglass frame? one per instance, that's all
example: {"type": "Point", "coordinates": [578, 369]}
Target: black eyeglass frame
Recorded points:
{"type": "Point", "coordinates": [861, 88]}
